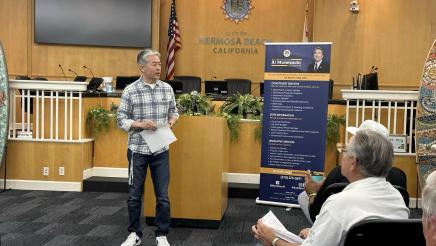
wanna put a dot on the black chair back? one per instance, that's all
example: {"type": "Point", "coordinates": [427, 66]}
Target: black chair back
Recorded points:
{"type": "Point", "coordinates": [40, 78]}
{"type": "Point", "coordinates": [123, 81]}
{"type": "Point", "coordinates": [177, 86]}
{"type": "Point", "coordinates": [22, 77]}
{"type": "Point", "coordinates": [190, 83]}
{"type": "Point", "coordinates": [403, 193]}
{"type": "Point", "coordinates": [241, 86]}
{"type": "Point", "coordinates": [80, 78]}
{"type": "Point", "coordinates": [386, 232]}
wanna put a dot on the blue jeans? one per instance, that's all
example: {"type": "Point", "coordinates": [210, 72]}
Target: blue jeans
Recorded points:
{"type": "Point", "coordinates": [160, 174]}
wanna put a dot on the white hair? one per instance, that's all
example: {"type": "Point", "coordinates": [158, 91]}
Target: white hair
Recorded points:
{"type": "Point", "coordinates": [141, 59]}
{"type": "Point", "coordinates": [429, 197]}
{"type": "Point", "coordinates": [373, 151]}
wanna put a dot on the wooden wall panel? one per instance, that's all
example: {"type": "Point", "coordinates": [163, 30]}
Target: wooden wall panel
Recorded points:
{"type": "Point", "coordinates": [14, 30]}
{"type": "Point", "coordinates": [394, 35]}
{"type": "Point", "coordinates": [278, 21]}
{"type": "Point", "coordinates": [27, 159]}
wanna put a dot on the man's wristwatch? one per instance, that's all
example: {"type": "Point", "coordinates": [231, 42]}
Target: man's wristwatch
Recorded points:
{"type": "Point", "coordinates": [274, 241]}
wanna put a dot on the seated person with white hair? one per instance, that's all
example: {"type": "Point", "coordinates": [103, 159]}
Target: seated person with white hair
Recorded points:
{"type": "Point", "coordinates": [312, 199]}
{"type": "Point", "coordinates": [365, 163]}
{"type": "Point", "coordinates": [429, 210]}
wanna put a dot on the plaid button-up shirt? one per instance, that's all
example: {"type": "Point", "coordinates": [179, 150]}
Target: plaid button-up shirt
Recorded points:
{"type": "Point", "coordinates": [141, 102]}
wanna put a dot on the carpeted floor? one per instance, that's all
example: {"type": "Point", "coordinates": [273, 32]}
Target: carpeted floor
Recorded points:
{"type": "Point", "coordinates": [96, 218]}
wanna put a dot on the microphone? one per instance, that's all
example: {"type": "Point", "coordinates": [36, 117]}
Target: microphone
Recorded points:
{"type": "Point", "coordinates": [375, 69]}
{"type": "Point", "coordinates": [78, 78]}
{"type": "Point", "coordinates": [65, 77]}
{"type": "Point", "coordinates": [89, 70]}
{"type": "Point", "coordinates": [372, 69]}
{"type": "Point", "coordinates": [73, 72]}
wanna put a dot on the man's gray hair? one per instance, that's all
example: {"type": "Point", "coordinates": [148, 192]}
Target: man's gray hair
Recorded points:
{"type": "Point", "coordinates": [428, 200]}
{"type": "Point", "coordinates": [144, 54]}
{"type": "Point", "coordinates": [374, 153]}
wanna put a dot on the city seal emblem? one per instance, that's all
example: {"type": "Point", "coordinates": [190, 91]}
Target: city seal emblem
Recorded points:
{"type": "Point", "coordinates": [237, 10]}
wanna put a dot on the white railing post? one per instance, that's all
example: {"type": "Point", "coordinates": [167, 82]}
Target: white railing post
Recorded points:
{"type": "Point", "coordinates": [388, 101]}
{"type": "Point", "coordinates": [46, 90]}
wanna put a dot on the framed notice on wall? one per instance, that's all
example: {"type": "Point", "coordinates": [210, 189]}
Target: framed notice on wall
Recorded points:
{"type": "Point", "coordinates": [399, 142]}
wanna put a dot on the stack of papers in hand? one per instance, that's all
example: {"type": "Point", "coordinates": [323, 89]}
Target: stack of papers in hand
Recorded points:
{"type": "Point", "coordinates": [156, 140]}
{"type": "Point", "coordinates": [271, 220]}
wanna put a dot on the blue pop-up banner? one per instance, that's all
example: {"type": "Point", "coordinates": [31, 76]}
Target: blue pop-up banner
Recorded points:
{"type": "Point", "coordinates": [294, 118]}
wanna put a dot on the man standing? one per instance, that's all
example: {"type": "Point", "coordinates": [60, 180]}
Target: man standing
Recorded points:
{"type": "Point", "coordinates": [319, 65]}
{"type": "Point", "coordinates": [147, 104]}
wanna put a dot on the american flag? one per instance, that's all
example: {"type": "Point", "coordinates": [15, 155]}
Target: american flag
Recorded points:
{"type": "Point", "coordinates": [174, 42]}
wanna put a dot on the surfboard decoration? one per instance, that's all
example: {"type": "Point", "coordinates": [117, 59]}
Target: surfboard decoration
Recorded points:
{"type": "Point", "coordinates": [426, 117]}
{"type": "Point", "coordinates": [4, 105]}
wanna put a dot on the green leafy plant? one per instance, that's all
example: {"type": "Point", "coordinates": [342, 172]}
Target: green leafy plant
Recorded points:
{"type": "Point", "coordinates": [194, 104]}
{"type": "Point", "coordinates": [233, 124]}
{"type": "Point", "coordinates": [334, 122]}
{"type": "Point", "coordinates": [98, 119]}
{"type": "Point", "coordinates": [239, 107]}
{"type": "Point", "coordinates": [245, 106]}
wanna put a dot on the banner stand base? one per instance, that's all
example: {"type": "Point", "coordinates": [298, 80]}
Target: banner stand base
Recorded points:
{"type": "Point", "coordinates": [279, 204]}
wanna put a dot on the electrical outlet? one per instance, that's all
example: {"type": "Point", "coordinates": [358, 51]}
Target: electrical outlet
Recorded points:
{"type": "Point", "coordinates": [45, 171]}
{"type": "Point", "coordinates": [61, 171]}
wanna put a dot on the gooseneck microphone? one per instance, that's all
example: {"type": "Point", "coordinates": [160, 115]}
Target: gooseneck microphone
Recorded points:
{"type": "Point", "coordinates": [73, 72]}
{"type": "Point", "coordinates": [89, 70]}
{"type": "Point", "coordinates": [65, 77]}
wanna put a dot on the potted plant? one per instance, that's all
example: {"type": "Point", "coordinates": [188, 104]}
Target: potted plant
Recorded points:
{"type": "Point", "coordinates": [239, 107]}
{"type": "Point", "coordinates": [98, 119]}
{"type": "Point", "coordinates": [194, 104]}
{"type": "Point", "coordinates": [334, 122]}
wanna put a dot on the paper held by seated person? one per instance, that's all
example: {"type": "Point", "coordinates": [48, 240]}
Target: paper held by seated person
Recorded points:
{"type": "Point", "coordinates": [156, 140]}
{"type": "Point", "coordinates": [271, 220]}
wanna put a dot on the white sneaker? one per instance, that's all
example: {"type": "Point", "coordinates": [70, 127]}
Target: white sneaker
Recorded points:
{"type": "Point", "coordinates": [132, 240]}
{"type": "Point", "coordinates": [162, 241]}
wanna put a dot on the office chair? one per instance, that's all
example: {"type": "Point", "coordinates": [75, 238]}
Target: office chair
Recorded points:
{"type": "Point", "coordinates": [123, 81]}
{"type": "Point", "coordinates": [190, 83]}
{"type": "Point", "coordinates": [80, 78]}
{"type": "Point", "coordinates": [177, 86]}
{"type": "Point", "coordinates": [22, 77]}
{"type": "Point", "coordinates": [386, 232]}
{"type": "Point", "coordinates": [40, 78]}
{"type": "Point", "coordinates": [241, 86]}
